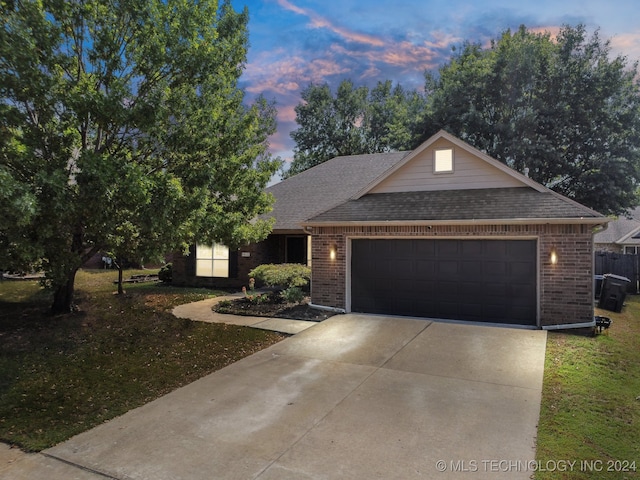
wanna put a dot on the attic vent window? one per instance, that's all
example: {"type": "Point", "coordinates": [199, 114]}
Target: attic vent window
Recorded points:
{"type": "Point", "coordinates": [443, 161]}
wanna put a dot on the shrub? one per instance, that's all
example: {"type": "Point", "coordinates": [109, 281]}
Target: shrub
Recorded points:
{"type": "Point", "coordinates": [223, 304]}
{"type": "Point", "coordinates": [284, 275]}
{"type": "Point", "coordinates": [259, 299]}
{"type": "Point", "coordinates": [166, 273]}
{"type": "Point", "coordinates": [292, 295]}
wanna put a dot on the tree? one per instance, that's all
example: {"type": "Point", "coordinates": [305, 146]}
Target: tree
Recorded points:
{"type": "Point", "coordinates": [123, 129]}
{"type": "Point", "coordinates": [394, 119]}
{"type": "Point", "coordinates": [354, 121]}
{"type": "Point", "coordinates": [560, 107]}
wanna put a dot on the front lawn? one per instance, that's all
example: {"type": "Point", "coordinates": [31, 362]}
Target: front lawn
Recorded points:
{"type": "Point", "coordinates": [590, 410]}
{"type": "Point", "coordinates": [62, 375]}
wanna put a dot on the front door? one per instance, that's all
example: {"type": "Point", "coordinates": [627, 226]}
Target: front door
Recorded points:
{"type": "Point", "coordinates": [296, 249]}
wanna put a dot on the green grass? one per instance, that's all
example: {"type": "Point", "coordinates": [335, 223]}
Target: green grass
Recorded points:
{"type": "Point", "coordinates": [591, 400]}
{"type": "Point", "coordinates": [61, 375]}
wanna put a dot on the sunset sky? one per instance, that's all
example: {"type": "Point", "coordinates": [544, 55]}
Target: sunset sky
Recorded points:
{"type": "Point", "coordinates": [298, 42]}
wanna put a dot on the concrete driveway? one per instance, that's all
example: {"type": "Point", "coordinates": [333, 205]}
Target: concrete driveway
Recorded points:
{"type": "Point", "coordinates": [354, 397]}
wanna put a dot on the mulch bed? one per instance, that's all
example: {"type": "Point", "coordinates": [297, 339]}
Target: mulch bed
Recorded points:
{"type": "Point", "coordinates": [273, 308]}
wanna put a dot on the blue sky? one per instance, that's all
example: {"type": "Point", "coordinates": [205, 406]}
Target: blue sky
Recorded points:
{"type": "Point", "coordinates": [298, 42]}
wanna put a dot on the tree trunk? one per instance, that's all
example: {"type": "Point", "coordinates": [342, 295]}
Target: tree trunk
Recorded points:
{"type": "Point", "coordinates": [120, 289]}
{"type": "Point", "coordinates": [63, 295]}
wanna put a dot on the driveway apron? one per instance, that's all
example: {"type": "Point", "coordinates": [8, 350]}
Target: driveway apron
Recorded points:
{"type": "Point", "coordinates": [353, 397]}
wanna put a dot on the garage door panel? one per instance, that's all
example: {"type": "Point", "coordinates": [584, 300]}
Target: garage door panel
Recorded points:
{"type": "Point", "coordinates": [424, 286]}
{"type": "Point", "coordinates": [495, 268]}
{"type": "Point", "coordinates": [448, 268]}
{"type": "Point", "coordinates": [467, 287]}
{"type": "Point", "coordinates": [496, 290]}
{"type": "Point", "coordinates": [447, 289]}
{"type": "Point", "coordinates": [404, 266]}
{"type": "Point", "coordinates": [424, 269]}
{"type": "Point", "coordinates": [471, 309]}
{"type": "Point", "coordinates": [519, 249]}
{"type": "Point", "coordinates": [480, 280]}
{"type": "Point", "coordinates": [520, 290]}
{"type": "Point", "coordinates": [424, 249]}
{"type": "Point", "coordinates": [524, 269]}
{"type": "Point", "coordinates": [472, 248]}
{"type": "Point", "coordinates": [471, 268]}
{"type": "Point", "coordinates": [495, 312]}
{"type": "Point", "coordinates": [448, 309]}
{"type": "Point", "coordinates": [450, 249]}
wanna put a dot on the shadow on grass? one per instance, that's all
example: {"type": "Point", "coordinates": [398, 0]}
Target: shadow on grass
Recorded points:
{"type": "Point", "coordinates": [61, 375]}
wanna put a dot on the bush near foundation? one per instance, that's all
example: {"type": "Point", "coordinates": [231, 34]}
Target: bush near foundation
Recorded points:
{"type": "Point", "coordinates": [282, 276]}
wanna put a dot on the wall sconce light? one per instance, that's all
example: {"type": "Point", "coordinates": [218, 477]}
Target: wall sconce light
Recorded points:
{"type": "Point", "coordinates": [332, 252]}
{"type": "Point", "coordinates": [554, 257]}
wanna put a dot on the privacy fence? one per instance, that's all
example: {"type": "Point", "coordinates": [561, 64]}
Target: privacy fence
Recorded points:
{"type": "Point", "coordinates": [619, 264]}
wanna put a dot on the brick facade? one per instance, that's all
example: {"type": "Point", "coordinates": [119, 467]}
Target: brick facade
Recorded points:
{"type": "Point", "coordinates": [565, 290]}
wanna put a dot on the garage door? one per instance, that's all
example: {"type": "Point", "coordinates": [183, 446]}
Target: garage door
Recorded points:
{"type": "Point", "coordinates": [476, 280]}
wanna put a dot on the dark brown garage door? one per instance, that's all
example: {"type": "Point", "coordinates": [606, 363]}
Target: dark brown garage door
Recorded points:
{"type": "Point", "coordinates": [477, 280]}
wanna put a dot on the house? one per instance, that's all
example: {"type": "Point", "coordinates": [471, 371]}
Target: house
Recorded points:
{"type": "Point", "coordinates": [621, 235]}
{"type": "Point", "coordinates": [296, 199]}
{"type": "Point", "coordinates": [443, 231]}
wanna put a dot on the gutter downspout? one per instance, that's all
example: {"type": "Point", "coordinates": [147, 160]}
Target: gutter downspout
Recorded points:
{"type": "Point", "coordinates": [567, 326]}
{"type": "Point", "coordinates": [333, 309]}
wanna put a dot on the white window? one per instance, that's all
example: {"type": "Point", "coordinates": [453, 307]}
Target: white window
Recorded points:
{"type": "Point", "coordinates": [631, 250]}
{"type": "Point", "coordinates": [443, 161]}
{"type": "Point", "coordinates": [212, 261]}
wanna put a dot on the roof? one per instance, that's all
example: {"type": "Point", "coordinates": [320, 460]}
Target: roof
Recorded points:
{"type": "Point", "coordinates": [326, 185]}
{"type": "Point", "coordinates": [495, 204]}
{"type": "Point", "coordinates": [340, 191]}
{"type": "Point", "coordinates": [621, 231]}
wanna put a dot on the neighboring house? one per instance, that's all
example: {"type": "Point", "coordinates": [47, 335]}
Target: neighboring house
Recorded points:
{"type": "Point", "coordinates": [442, 232]}
{"type": "Point", "coordinates": [621, 235]}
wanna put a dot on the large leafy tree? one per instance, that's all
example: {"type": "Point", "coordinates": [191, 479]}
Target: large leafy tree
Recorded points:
{"type": "Point", "coordinates": [355, 120]}
{"type": "Point", "coordinates": [562, 107]}
{"type": "Point", "coordinates": [122, 128]}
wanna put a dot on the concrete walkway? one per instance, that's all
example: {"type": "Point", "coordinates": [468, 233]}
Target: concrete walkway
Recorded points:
{"type": "Point", "coordinates": [356, 396]}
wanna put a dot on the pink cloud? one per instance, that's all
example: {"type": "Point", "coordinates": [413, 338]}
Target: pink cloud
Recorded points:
{"type": "Point", "coordinates": [627, 45]}
{"type": "Point", "coordinates": [405, 55]}
{"type": "Point", "coordinates": [371, 72]}
{"type": "Point", "coordinates": [287, 113]}
{"type": "Point", "coordinates": [442, 40]}
{"type": "Point", "coordinates": [276, 72]}
{"type": "Point", "coordinates": [318, 21]}
{"type": "Point", "coordinates": [551, 30]}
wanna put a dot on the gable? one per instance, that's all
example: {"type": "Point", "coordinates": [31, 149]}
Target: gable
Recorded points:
{"type": "Point", "coordinates": [470, 171]}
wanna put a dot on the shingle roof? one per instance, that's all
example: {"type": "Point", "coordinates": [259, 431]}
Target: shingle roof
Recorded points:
{"type": "Point", "coordinates": [618, 229]}
{"type": "Point", "coordinates": [457, 205]}
{"type": "Point", "coordinates": [325, 186]}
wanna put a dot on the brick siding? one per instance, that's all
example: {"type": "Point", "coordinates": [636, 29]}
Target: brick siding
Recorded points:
{"type": "Point", "coordinates": [565, 289]}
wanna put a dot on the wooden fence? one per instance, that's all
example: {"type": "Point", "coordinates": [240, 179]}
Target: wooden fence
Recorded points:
{"type": "Point", "coordinates": [619, 264]}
